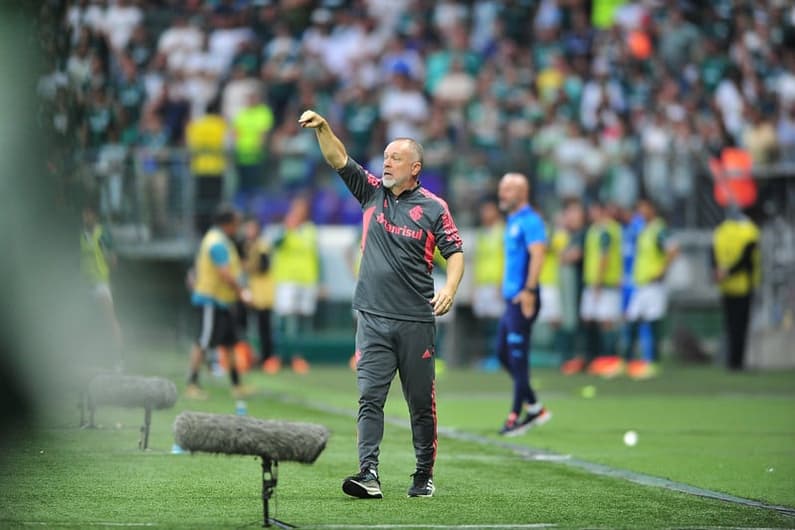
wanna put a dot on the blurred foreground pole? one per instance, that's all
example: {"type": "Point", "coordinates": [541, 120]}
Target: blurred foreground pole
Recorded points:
{"type": "Point", "coordinates": [45, 322]}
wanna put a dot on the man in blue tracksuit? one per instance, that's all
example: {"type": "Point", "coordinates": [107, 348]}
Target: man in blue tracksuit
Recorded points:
{"type": "Point", "coordinates": [633, 225]}
{"type": "Point", "coordinates": [525, 244]}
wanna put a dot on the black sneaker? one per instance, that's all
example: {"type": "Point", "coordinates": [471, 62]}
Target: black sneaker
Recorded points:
{"type": "Point", "coordinates": [364, 485]}
{"type": "Point", "coordinates": [531, 420]}
{"type": "Point", "coordinates": [539, 418]}
{"type": "Point", "coordinates": [422, 486]}
{"type": "Point", "coordinates": [507, 428]}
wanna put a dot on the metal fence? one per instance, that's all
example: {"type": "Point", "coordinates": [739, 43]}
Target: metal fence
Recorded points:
{"type": "Point", "coordinates": [144, 194]}
{"type": "Point", "coordinates": [148, 194]}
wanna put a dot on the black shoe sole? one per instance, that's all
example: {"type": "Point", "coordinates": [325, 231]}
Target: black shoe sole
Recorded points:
{"type": "Point", "coordinates": [422, 494]}
{"type": "Point", "coordinates": [417, 496]}
{"type": "Point", "coordinates": [354, 489]}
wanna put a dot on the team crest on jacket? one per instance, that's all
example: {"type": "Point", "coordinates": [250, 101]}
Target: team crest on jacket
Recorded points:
{"type": "Point", "coordinates": [415, 213]}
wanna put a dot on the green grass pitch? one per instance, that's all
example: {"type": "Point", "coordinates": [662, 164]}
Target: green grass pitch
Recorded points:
{"type": "Point", "coordinates": [732, 433]}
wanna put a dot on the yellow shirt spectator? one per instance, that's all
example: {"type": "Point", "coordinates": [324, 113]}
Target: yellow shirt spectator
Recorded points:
{"type": "Point", "coordinates": [557, 244]}
{"type": "Point", "coordinates": [296, 259]}
{"type": "Point", "coordinates": [260, 280]}
{"type": "Point", "coordinates": [205, 137]}
{"type": "Point", "coordinates": [730, 240]}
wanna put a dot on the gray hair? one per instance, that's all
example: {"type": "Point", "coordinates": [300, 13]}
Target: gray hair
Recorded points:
{"type": "Point", "coordinates": [415, 146]}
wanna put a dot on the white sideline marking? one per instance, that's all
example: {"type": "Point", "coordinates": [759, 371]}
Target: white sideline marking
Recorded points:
{"type": "Point", "coordinates": [441, 526]}
{"type": "Point", "coordinates": [720, 528]}
{"type": "Point", "coordinates": [81, 523]}
{"type": "Point", "coordinates": [465, 458]}
{"type": "Point", "coordinates": [544, 457]}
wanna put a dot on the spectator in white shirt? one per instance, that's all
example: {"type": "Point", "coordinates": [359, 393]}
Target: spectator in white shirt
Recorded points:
{"type": "Point", "coordinates": [228, 35]}
{"type": "Point", "coordinates": [568, 156]}
{"type": "Point", "coordinates": [120, 20]}
{"type": "Point", "coordinates": [237, 92]}
{"type": "Point", "coordinates": [403, 106]}
{"type": "Point", "coordinates": [599, 91]}
{"type": "Point", "coordinates": [179, 42]}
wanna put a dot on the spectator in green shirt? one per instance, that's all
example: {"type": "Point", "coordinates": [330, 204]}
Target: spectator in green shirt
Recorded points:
{"type": "Point", "coordinates": [251, 128]}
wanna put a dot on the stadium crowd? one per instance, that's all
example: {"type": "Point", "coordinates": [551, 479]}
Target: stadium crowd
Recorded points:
{"type": "Point", "coordinates": [593, 99]}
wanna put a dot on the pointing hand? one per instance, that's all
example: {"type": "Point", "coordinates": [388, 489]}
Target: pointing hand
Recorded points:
{"type": "Point", "coordinates": [311, 119]}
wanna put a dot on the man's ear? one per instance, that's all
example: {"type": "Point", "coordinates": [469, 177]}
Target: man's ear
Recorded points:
{"type": "Point", "coordinates": [415, 168]}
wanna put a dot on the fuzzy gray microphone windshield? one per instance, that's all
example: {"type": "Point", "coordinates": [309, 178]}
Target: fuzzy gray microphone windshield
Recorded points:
{"type": "Point", "coordinates": [130, 391]}
{"type": "Point", "coordinates": [271, 440]}
{"type": "Point", "coordinates": [242, 435]}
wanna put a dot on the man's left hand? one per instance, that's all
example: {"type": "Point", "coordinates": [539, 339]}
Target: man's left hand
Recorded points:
{"type": "Point", "coordinates": [245, 296]}
{"type": "Point", "coordinates": [442, 302]}
{"type": "Point", "coordinates": [527, 300]}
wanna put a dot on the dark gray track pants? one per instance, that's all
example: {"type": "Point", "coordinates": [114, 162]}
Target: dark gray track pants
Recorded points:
{"type": "Point", "coordinates": [387, 346]}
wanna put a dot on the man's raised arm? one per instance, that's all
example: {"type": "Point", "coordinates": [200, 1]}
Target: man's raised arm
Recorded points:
{"type": "Point", "coordinates": [361, 183]}
{"type": "Point", "coordinates": [332, 148]}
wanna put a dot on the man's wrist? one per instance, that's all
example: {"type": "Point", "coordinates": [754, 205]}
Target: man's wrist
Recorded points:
{"type": "Point", "coordinates": [531, 288]}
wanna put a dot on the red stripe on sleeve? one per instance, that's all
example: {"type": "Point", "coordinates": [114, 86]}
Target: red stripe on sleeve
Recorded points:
{"type": "Point", "coordinates": [430, 246]}
{"type": "Point", "coordinates": [450, 229]}
{"type": "Point", "coordinates": [368, 214]}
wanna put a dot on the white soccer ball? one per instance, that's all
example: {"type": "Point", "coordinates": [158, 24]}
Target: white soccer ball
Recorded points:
{"type": "Point", "coordinates": [630, 438]}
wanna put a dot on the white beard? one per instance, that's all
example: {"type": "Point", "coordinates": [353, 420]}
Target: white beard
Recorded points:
{"type": "Point", "coordinates": [387, 182]}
